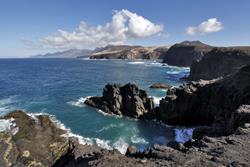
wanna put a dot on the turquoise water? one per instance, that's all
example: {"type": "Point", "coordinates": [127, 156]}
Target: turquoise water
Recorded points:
{"type": "Point", "coordinates": [59, 86]}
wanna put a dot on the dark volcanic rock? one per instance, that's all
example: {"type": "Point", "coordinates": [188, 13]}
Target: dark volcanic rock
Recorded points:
{"type": "Point", "coordinates": [220, 103]}
{"type": "Point", "coordinates": [125, 100]}
{"type": "Point", "coordinates": [230, 150]}
{"type": "Point", "coordinates": [184, 53]}
{"type": "Point", "coordinates": [218, 63]}
{"type": "Point", "coordinates": [161, 86]}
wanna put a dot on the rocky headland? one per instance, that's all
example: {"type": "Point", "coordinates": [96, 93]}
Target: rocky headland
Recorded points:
{"type": "Point", "coordinates": [129, 52]}
{"type": "Point", "coordinates": [219, 103]}
{"type": "Point", "coordinates": [184, 53]}
{"type": "Point", "coordinates": [219, 62]}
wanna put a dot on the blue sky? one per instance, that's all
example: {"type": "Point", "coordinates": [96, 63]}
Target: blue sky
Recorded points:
{"type": "Point", "coordinates": [30, 27]}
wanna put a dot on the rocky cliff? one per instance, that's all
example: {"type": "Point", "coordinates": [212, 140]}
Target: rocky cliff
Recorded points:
{"type": "Point", "coordinates": [126, 100]}
{"type": "Point", "coordinates": [219, 103]}
{"type": "Point", "coordinates": [219, 62]}
{"type": "Point", "coordinates": [129, 52]}
{"type": "Point", "coordinates": [184, 53]}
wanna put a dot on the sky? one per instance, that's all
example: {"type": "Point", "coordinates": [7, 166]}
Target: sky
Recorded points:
{"type": "Point", "coordinates": [30, 27]}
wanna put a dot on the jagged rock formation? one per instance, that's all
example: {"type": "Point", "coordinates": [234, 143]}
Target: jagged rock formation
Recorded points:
{"type": "Point", "coordinates": [184, 53]}
{"type": "Point", "coordinates": [230, 150]}
{"type": "Point", "coordinates": [218, 63]}
{"type": "Point", "coordinates": [31, 141]}
{"type": "Point", "coordinates": [217, 103]}
{"type": "Point", "coordinates": [126, 100]}
{"type": "Point", "coordinates": [129, 52]}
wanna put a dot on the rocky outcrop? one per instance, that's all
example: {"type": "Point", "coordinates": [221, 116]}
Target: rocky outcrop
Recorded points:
{"type": "Point", "coordinates": [230, 150]}
{"type": "Point", "coordinates": [218, 63]}
{"type": "Point", "coordinates": [218, 103]}
{"type": "Point", "coordinates": [129, 52]}
{"type": "Point", "coordinates": [31, 141]}
{"type": "Point", "coordinates": [160, 86]}
{"type": "Point", "coordinates": [127, 100]}
{"type": "Point", "coordinates": [184, 53]}
{"type": "Point", "coordinates": [35, 140]}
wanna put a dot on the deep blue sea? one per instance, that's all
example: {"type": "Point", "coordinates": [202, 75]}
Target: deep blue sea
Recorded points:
{"type": "Point", "coordinates": [59, 86]}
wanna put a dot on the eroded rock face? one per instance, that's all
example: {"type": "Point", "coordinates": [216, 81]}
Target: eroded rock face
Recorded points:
{"type": "Point", "coordinates": [184, 53]}
{"type": "Point", "coordinates": [219, 62]}
{"type": "Point", "coordinates": [36, 141]}
{"type": "Point", "coordinates": [129, 52]}
{"type": "Point", "coordinates": [217, 102]}
{"type": "Point", "coordinates": [126, 100]}
{"type": "Point", "coordinates": [230, 150]}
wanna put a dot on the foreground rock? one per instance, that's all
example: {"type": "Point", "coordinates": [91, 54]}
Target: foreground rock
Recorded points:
{"type": "Point", "coordinates": [129, 52]}
{"type": "Point", "coordinates": [36, 141]}
{"type": "Point", "coordinates": [31, 141]}
{"type": "Point", "coordinates": [228, 151]}
{"type": "Point", "coordinates": [160, 86]}
{"type": "Point", "coordinates": [218, 103]}
{"type": "Point", "coordinates": [126, 100]}
{"type": "Point", "coordinates": [184, 53]}
{"type": "Point", "coordinates": [219, 62]}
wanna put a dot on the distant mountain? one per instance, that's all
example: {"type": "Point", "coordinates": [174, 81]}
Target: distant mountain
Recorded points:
{"type": "Point", "coordinates": [72, 53]}
{"type": "Point", "coordinates": [128, 52]}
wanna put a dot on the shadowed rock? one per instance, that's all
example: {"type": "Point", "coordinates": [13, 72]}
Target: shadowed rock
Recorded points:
{"type": "Point", "coordinates": [126, 100]}
{"type": "Point", "coordinates": [184, 53]}
{"type": "Point", "coordinates": [219, 103]}
{"type": "Point", "coordinates": [219, 62]}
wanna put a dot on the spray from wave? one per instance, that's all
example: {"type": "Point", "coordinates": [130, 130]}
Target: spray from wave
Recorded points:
{"type": "Point", "coordinates": [79, 102]}
{"type": "Point", "coordinates": [6, 104]}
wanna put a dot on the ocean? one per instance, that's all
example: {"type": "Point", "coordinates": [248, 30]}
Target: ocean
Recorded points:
{"type": "Point", "coordinates": [59, 86]}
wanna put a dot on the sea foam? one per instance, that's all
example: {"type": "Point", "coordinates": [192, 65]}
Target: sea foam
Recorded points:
{"type": "Point", "coordinates": [136, 62]}
{"type": "Point", "coordinates": [79, 102]}
{"type": "Point", "coordinates": [138, 140]}
{"type": "Point", "coordinates": [120, 144]}
{"type": "Point", "coordinates": [156, 100]}
{"type": "Point", "coordinates": [183, 135]}
{"type": "Point", "coordinates": [8, 125]}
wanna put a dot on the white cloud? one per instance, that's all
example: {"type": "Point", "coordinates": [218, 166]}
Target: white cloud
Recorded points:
{"type": "Point", "coordinates": [209, 26]}
{"type": "Point", "coordinates": [125, 25]}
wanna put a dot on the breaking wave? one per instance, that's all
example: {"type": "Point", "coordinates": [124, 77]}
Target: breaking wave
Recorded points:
{"type": "Point", "coordinates": [138, 140]}
{"type": "Point", "coordinates": [6, 104]}
{"type": "Point", "coordinates": [79, 102]}
{"type": "Point", "coordinates": [156, 100]}
{"type": "Point", "coordinates": [120, 144]}
{"type": "Point", "coordinates": [136, 62]}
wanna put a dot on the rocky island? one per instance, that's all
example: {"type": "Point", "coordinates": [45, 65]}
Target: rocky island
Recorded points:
{"type": "Point", "coordinates": [126, 100]}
